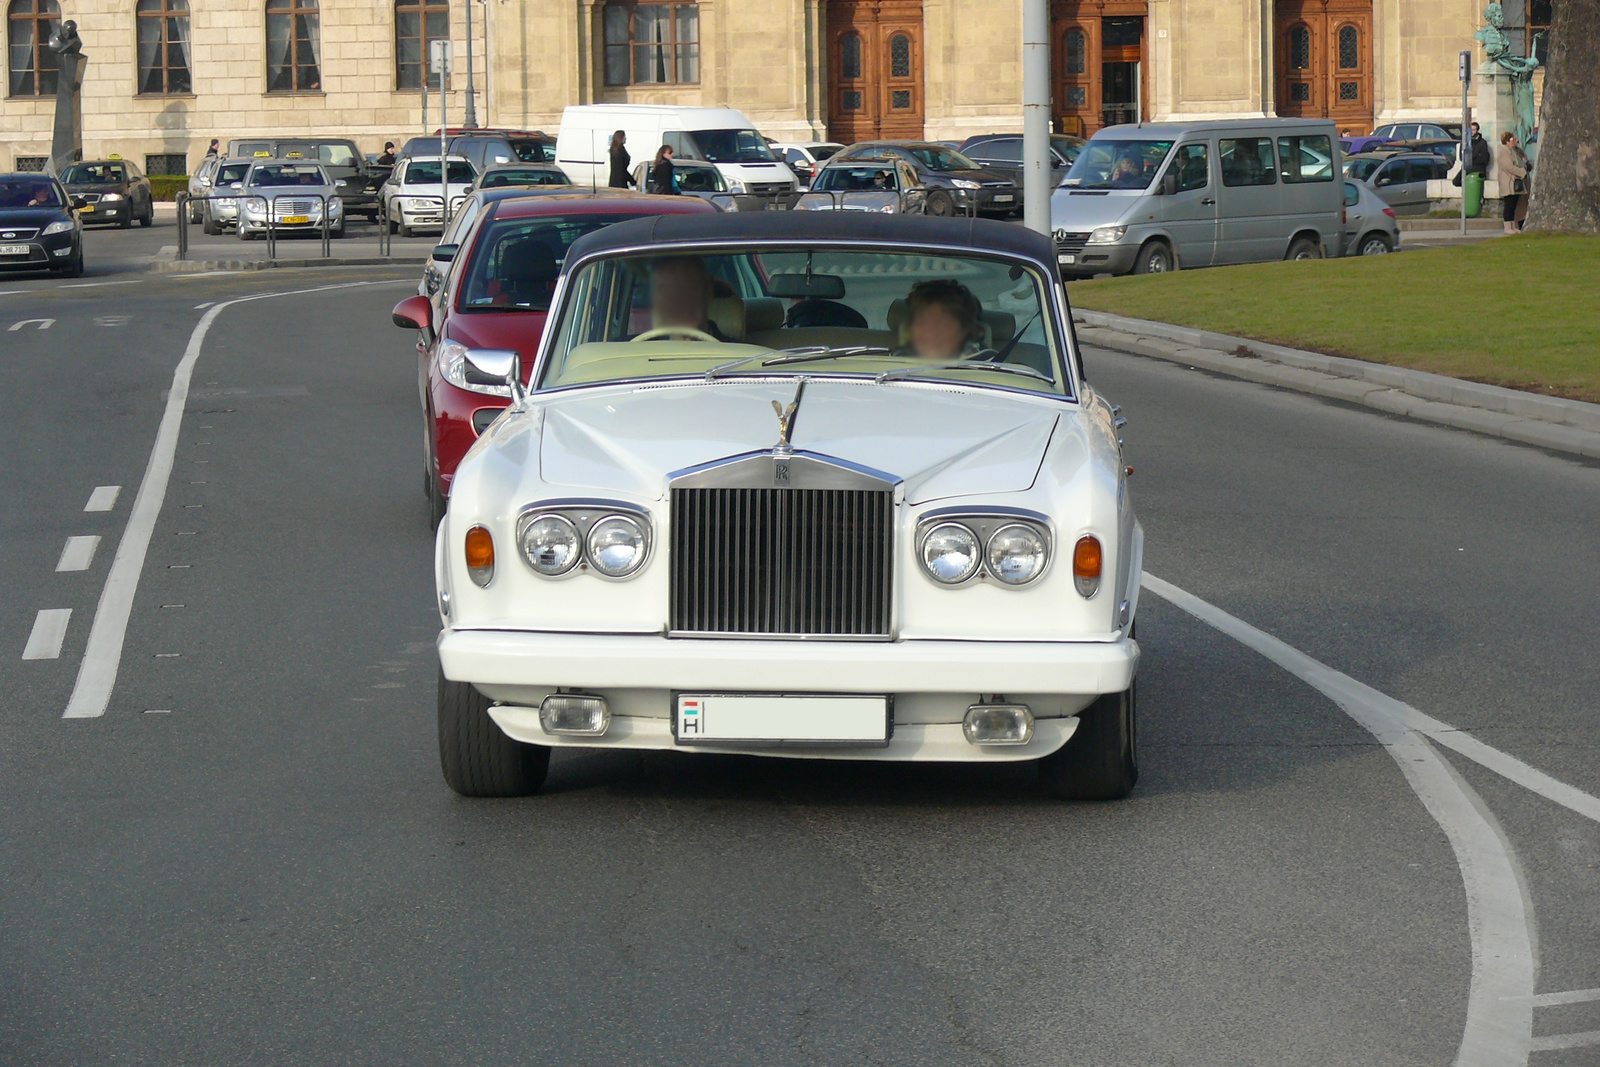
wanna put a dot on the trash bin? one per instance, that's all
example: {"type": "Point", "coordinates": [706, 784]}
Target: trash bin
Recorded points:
{"type": "Point", "coordinates": [1472, 190]}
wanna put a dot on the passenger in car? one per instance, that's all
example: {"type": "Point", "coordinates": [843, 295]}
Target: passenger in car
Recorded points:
{"type": "Point", "coordinates": [943, 321]}
{"type": "Point", "coordinates": [680, 294]}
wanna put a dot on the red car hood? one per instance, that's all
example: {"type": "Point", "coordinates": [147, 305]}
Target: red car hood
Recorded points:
{"type": "Point", "coordinates": [518, 331]}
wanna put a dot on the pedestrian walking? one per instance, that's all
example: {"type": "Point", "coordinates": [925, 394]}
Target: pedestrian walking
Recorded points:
{"type": "Point", "coordinates": [662, 178]}
{"type": "Point", "coordinates": [386, 159]}
{"type": "Point", "coordinates": [1511, 168]}
{"type": "Point", "coordinates": [620, 161]}
{"type": "Point", "coordinates": [211, 151]}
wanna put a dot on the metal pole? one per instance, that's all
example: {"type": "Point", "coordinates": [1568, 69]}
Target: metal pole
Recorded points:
{"type": "Point", "coordinates": [444, 141]}
{"type": "Point", "coordinates": [470, 118]}
{"type": "Point", "coordinates": [183, 225]}
{"type": "Point", "coordinates": [1036, 115]}
{"type": "Point", "coordinates": [1464, 153]}
{"type": "Point", "coordinates": [486, 64]}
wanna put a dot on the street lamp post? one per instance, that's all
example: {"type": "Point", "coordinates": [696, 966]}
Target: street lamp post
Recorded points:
{"type": "Point", "coordinates": [470, 119]}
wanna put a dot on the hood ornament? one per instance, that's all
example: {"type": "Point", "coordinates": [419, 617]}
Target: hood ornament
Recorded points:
{"type": "Point", "coordinates": [786, 418]}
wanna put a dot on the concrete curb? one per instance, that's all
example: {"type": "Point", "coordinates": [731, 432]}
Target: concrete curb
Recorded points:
{"type": "Point", "coordinates": [206, 266]}
{"type": "Point", "coordinates": [1546, 421]}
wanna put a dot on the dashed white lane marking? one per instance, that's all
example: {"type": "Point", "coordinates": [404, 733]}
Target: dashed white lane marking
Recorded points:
{"type": "Point", "coordinates": [102, 655]}
{"type": "Point", "coordinates": [202, 307]}
{"type": "Point", "coordinates": [78, 553]}
{"type": "Point", "coordinates": [1563, 1041]}
{"type": "Point", "coordinates": [49, 630]}
{"type": "Point", "coordinates": [1499, 1025]}
{"type": "Point", "coordinates": [104, 498]}
{"type": "Point", "coordinates": [1572, 996]}
{"type": "Point", "coordinates": [97, 285]}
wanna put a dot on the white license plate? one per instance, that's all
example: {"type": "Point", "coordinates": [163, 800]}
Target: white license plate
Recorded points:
{"type": "Point", "coordinates": [743, 717]}
{"type": "Point", "coordinates": [1002, 198]}
{"type": "Point", "coordinates": [13, 250]}
{"type": "Point", "coordinates": [1066, 259]}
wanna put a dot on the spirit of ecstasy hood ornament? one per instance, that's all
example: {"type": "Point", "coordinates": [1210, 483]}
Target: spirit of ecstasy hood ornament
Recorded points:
{"type": "Point", "coordinates": [786, 418]}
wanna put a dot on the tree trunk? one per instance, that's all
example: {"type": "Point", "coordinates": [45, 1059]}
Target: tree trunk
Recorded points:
{"type": "Point", "coordinates": [1566, 180]}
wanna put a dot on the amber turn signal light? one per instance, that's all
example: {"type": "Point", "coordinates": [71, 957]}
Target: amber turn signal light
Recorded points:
{"type": "Point", "coordinates": [480, 555]}
{"type": "Point", "coordinates": [1086, 564]}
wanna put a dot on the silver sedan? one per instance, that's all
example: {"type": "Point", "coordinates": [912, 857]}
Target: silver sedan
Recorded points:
{"type": "Point", "coordinates": [295, 192]}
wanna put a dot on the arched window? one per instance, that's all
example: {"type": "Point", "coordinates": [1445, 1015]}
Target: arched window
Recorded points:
{"type": "Point", "coordinates": [900, 56]}
{"type": "Point", "coordinates": [294, 46]}
{"type": "Point", "coordinates": [1349, 48]}
{"type": "Point", "coordinates": [165, 59]}
{"type": "Point", "coordinates": [850, 56]}
{"type": "Point", "coordinates": [1077, 48]}
{"type": "Point", "coordinates": [33, 65]}
{"type": "Point", "coordinates": [651, 43]}
{"type": "Point", "coordinates": [416, 24]}
{"type": "Point", "coordinates": [1300, 48]}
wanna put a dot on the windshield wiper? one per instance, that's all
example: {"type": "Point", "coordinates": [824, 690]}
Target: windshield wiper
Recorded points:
{"type": "Point", "coordinates": [779, 357]}
{"type": "Point", "coordinates": [1005, 368]}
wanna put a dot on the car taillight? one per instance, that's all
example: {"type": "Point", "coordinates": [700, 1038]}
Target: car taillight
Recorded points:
{"type": "Point", "coordinates": [1344, 217]}
{"type": "Point", "coordinates": [1390, 212]}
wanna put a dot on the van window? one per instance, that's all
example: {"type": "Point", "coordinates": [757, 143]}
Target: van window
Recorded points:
{"type": "Point", "coordinates": [1306, 159]}
{"type": "Point", "coordinates": [731, 146]}
{"type": "Point", "coordinates": [1246, 161]}
{"type": "Point", "coordinates": [1117, 164]}
{"type": "Point", "coordinates": [1191, 168]}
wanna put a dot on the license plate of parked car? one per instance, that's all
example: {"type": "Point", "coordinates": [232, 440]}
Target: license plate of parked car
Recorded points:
{"type": "Point", "coordinates": [13, 250]}
{"type": "Point", "coordinates": [732, 717]}
{"type": "Point", "coordinates": [296, 220]}
{"type": "Point", "coordinates": [1002, 198]}
{"type": "Point", "coordinates": [1066, 259]}
{"type": "Point", "coordinates": [87, 209]}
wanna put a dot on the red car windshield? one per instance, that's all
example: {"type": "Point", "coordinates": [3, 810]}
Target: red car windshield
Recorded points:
{"type": "Point", "coordinates": [515, 261]}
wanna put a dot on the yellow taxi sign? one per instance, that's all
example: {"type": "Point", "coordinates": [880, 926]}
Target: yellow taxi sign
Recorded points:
{"type": "Point", "coordinates": [293, 155]}
{"type": "Point", "coordinates": [263, 155]}
{"type": "Point", "coordinates": [114, 157]}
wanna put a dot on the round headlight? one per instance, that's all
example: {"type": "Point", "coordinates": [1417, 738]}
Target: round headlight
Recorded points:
{"type": "Point", "coordinates": [616, 546]}
{"type": "Point", "coordinates": [550, 545]}
{"type": "Point", "coordinates": [1016, 554]}
{"type": "Point", "coordinates": [950, 553]}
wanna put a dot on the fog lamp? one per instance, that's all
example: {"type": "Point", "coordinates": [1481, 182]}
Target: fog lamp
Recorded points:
{"type": "Point", "coordinates": [998, 724]}
{"type": "Point", "coordinates": [574, 713]}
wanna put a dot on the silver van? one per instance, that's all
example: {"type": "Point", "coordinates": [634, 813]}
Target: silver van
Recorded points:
{"type": "Point", "coordinates": [1155, 197]}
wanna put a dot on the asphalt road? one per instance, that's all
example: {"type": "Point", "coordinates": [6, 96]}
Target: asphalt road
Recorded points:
{"type": "Point", "coordinates": [252, 858]}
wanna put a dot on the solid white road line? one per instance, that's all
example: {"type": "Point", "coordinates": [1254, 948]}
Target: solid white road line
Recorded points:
{"type": "Point", "coordinates": [1499, 1025]}
{"type": "Point", "coordinates": [1561, 1041]}
{"type": "Point", "coordinates": [102, 655]}
{"type": "Point", "coordinates": [104, 498]}
{"type": "Point", "coordinates": [49, 630]}
{"type": "Point", "coordinates": [1572, 996]}
{"type": "Point", "coordinates": [96, 285]}
{"type": "Point", "coordinates": [78, 553]}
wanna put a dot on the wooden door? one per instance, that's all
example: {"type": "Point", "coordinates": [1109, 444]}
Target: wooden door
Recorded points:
{"type": "Point", "coordinates": [875, 70]}
{"type": "Point", "coordinates": [1323, 55]}
{"type": "Point", "coordinates": [1098, 49]}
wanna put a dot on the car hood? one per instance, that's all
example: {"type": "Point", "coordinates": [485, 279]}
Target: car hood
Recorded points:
{"type": "Point", "coordinates": [941, 441]}
{"type": "Point", "coordinates": [978, 175]}
{"type": "Point", "coordinates": [94, 187]}
{"type": "Point", "coordinates": [26, 218]}
{"type": "Point", "coordinates": [1081, 212]}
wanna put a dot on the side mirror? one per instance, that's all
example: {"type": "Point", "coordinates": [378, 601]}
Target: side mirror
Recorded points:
{"type": "Point", "coordinates": [413, 313]}
{"type": "Point", "coordinates": [494, 366]}
{"type": "Point", "coordinates": [1169, 184]}
{"type": "Point", "coordinates": [77, 201]}
{"type": "Point", "coordinates": [338, 183]}
{"type": "Point", "coordinates": [444, 253]}
{"type": "Point", "coordinates": [1384, 180]}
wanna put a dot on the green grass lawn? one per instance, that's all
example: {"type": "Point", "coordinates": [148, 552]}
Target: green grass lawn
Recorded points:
{"type": "Point", "coordinates": [1519, 311]}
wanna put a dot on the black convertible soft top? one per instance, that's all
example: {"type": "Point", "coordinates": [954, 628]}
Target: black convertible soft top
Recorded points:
{"type": "Point", "coordinates": [825, 227]}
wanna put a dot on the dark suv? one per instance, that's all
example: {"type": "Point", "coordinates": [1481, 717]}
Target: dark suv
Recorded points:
{"type": "Point", "coordinates": [955, 184]}
{"type": "Point", "coordinates": [1002, 153]}
{"type": "Point", "coordinates": [356, 181]}
{"type": "Point", "coordinates": [485, 148]}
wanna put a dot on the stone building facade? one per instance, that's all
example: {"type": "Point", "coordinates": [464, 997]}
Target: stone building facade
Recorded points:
{"type": "Point", "coordinates": [164, 76]}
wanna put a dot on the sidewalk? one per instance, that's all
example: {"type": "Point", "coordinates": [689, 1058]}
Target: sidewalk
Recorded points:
{"type": "Point", "coordinates": [1555, 423]}
{"type": "Point", "coordinates": [358, 248]}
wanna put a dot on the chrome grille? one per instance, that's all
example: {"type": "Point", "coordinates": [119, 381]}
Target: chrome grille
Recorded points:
{"type": "Point", "coordinates": [295, 207]}
{"type": "Point", "coordinates": [89, 198]}
{"type": "Point", "coordinates": [790, 562]}
{"type": "Point", "coordinates": [27, 234]}
{"type": "Point", "coordinates": [1070, 242]}
{"type": "Point", "coordinates": [769, 188]}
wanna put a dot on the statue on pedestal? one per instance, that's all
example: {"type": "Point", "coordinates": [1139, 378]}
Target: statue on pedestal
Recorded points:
{"type": "Point", "coordinates": [66, 145]}
{"type": "Point", "coordinates": [1497, 49]}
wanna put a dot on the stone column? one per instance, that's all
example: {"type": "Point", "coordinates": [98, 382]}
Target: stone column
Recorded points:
{"type": "Point", "coordinates": [66, 144]}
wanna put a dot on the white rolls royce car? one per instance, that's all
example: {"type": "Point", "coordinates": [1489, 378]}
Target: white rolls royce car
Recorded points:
{"type": "Point", "coordinates": [797, 485]}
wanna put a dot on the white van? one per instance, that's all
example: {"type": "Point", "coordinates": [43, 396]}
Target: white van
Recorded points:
{"type": "Point", "coordinates": [1161, 196]}
{"type": "Point", "coordinates": [718, 135]}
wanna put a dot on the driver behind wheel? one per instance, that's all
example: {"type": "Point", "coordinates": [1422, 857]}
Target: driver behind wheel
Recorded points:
{"type": "Point", "coordinates": [944, 321]}
{"type": "Point", "coordinates": [680, 295]}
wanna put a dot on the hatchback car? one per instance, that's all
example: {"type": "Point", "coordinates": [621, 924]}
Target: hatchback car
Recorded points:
{"type": "Point", "coordinates": [1370, 225]}
{"type": "Point", "coordinates": [110, 191]}
{"type": "Point", "coordinates": [955, 184]}
{"type": "Point", "coordinates": [806, 158]}
{"type": "Point", "coordinates": [496, 293]}
{"type": "Point", "coordinates": [522, 175]}
{"type": "Point", "coordinates": [38, 227]}
{"type": "Point", "coordinates": [1399, 178]}
{"type": "Point", "coordinates": [888, 186]}
{"type": "Point", "coordinates": [701, 530]}
{"type": "Point", "coordinates": [1002, 153]}
{"type": "Point", "coordinates": [220, 210]}
{"type": "Point", "coordinates": [293, 194]}
{"type": "Point", "coordinates": [200, 186]}
{"type": "Point", "coordinates": [415, 194]}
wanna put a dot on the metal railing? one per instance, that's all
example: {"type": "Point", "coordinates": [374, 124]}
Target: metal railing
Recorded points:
{"type": "Point", "coordinates": [270, 211]}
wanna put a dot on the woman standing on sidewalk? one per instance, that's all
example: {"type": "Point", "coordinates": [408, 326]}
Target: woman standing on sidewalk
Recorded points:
{"type": "Point", "coordinates": [1511, 169]}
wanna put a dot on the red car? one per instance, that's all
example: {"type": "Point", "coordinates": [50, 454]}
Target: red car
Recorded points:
{"type": "Point", "coordinates": [496, 294]}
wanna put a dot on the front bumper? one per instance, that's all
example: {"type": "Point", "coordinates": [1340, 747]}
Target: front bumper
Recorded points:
{"type": "Point", "coordinates": [1089, 260]}
{"type": "Point", "coordinates": [56, 250]}
{"type": "Point", "coordinates": [932, 683]}
{"type": "Point", "coordinates": [100, 211]}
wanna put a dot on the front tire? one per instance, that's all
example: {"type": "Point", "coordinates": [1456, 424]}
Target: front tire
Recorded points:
{"type": "Point", "coordinates": [405, 231]}
{"type": "Point", "coordinates": [1155, 258]}
{"type": "Point", "coordinates": [1101, 760]}
{"type": "Point", "coordinates": [477, 758]}
{"type": "Point", "coordinates": [149, 217]}
{"type": "Point", "coordinates": [210, 227]}
{"type": "Point", "coordinates": [940, 205]}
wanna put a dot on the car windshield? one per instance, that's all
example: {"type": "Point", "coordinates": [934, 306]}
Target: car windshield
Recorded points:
{"type": "Point", "coordinates": [28, 192]}
{"type": "Point", "coordinates": [426, 172]}
{"type": "Point", "coordinates": [515, 261]}
{"type": "Point", "coordinates": [496, 179]}
{"type": "Point", "coordinates": [1360, 169]}
{"type": "Point", "coordinates": [938, 157]}
{"type": "Point", "coordinates": [823, 311]}
{"type": "Point", "coordinates": [864, 177]}
{"type": "Point", "coordinates": [93, 174]}
{"type": "Point", "coordinates": [1117, 164]}
{"type": "Point", "coordinates": [334, 154]}
{"type": "Point", "coordinates": [288, 174]}
{"type": "Point", "coordinates": [732, 146]}
{"type": "Point", "coordinates": [531, 151]}
{"type": "Point", "coordinates": [699, 179]}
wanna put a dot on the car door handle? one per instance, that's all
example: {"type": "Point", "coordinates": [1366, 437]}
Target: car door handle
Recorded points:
{"type": "Point", "coordinates": [1209, 201]}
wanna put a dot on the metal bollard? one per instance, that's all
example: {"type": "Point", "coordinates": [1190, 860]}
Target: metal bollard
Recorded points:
{"type": "Point", "coordinates": [183, 225]}
{"type": "Point", "coordinates": [327, 249]}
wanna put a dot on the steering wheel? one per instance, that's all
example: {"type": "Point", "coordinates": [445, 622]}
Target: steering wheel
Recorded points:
{"type": "Point", "coordinates": [676, 331]}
